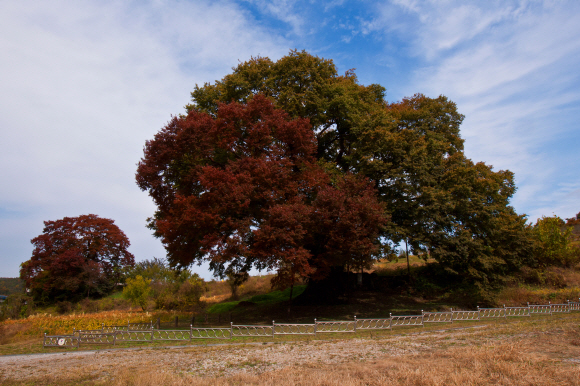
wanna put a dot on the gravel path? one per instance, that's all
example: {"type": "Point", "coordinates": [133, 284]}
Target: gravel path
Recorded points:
{"type": "Point", "coordinates": [203, 361]}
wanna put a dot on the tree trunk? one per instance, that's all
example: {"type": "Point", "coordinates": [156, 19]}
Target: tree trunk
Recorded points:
{"type": "Point", "coordinates": [327, 290]}
{"type": "Point", "coordinates": [407, 253]}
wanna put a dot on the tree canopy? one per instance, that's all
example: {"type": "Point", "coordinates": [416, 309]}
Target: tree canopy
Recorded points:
{"type": "Point", "coordinates": [286, 164]}
{"type": "Point", "coordinates": [75, 256]}
{"type": "Point", "coordinates": [242, 188]}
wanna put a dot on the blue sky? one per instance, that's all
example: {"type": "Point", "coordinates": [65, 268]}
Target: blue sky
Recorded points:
{"type": "Point", "coordinates": [84, 84]}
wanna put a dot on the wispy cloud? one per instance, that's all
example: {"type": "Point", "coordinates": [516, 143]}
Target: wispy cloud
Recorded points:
{"type": "Point", "coordinates": [287, 11]}
{"type": "Point", "coordinates": [84, 84]}
{"type": "Point", "coordinates": [511, 66]}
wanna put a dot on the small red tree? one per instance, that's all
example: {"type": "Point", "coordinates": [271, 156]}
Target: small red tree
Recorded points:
{"type": "Point", "coordinates": [243, 188]}
{"type": "Point", "coordinates": [75, 256]}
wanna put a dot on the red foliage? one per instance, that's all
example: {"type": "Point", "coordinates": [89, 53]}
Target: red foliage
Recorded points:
{"type": "Point", "coordinates": [74, 254]}
{"type": "Point", "coordinates": [243, 189]}
{"type": "Point", "coordinates": [573, 220]}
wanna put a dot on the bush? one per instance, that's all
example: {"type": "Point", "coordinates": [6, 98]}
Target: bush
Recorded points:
{"type": "Point", "coordinates": [137, 291]}
{"type": "Point", "coordinates": [183, 293]}
{"type": "Point", "coordinates": [16, 306]}
{"type": "Point", "coordinates": [554, 245]}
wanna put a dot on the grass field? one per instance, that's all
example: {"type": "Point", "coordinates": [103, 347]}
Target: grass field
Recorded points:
{"type": "Point", "coordinates": [522, 351]}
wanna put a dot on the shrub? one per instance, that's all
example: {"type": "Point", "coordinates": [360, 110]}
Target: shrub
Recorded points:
{"type": "Point", "coordinates": [16, 306]}
{"type": "Point", "coordinates": [137, 291]}
{"type": "Point", "coordinates": [554, 245]}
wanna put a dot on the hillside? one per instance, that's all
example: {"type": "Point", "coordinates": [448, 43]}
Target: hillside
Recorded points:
{"type": "Point", "coordinates": [11, 285]}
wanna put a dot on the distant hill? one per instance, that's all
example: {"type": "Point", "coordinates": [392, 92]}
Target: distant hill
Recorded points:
{"type": "Point", "coordinates": [11, 285]}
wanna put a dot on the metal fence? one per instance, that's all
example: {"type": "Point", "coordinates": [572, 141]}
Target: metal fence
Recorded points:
{"type": "Point", "coordinates": [146, 332]}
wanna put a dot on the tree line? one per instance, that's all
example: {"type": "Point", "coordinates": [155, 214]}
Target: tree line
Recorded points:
{"type": "Point", "coordinates": [288, 166]}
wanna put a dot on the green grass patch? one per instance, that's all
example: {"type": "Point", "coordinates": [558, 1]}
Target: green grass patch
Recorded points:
{"type": "Point", "coordinates": [269, 298]}
{"type": "Point", "coordinates": [116, 295]}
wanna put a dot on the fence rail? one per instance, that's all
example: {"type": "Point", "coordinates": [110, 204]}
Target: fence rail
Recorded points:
{"type": "Point", "coordinates": [517, 311]}
{"type": "Point", "coordinates": [146, 332]}
{"type": "Point", "coordinates": [135, 336]}
{"type": "Point", "coordinates": [406, 320]}
{"type": "Point", "coordinates": [465, 315]}
{"type": "Point", "coordinates": [373, 324]}
{"type": "Point", "coordinates": [60, 341]}
{"type": "Point", "coordinates": [246, 330]}
{"type": "Point", "coordinates": [540, 309]}
{"type": "Point", "coordinates": [97, 337]}
{"type": "Point", "coordinates": [294, 329]}
{"type": "Point", "coordinates": [574, 306]}
{"type": "Point", "coordinates": [210, 333]}
{"type": "Point", "coordinates": [492, 312]}
{"type": "Point", "coordinates": [324, 326]}
{"type": "Point", "coordinates": [437, 317]}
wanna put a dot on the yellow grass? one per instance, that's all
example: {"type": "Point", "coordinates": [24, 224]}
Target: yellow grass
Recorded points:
{"type": "Point", "coordinates": [528, 352]}
{"type": "Point", "coordinates": [519, 295]}
{"type": "Point", "coordinates": [503, 364]}
{"type": "Point", "coordinates": [37, 325]}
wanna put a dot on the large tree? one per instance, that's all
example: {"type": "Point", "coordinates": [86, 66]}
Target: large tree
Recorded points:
{"type": "Point", "coordinates": [75, 256]}
{"type": "Point", "coordinates": [411, 152]}
{"type": "Point", "coordinates": [438, 199]}
{"type": "Point", "coordinates": [241, 188]}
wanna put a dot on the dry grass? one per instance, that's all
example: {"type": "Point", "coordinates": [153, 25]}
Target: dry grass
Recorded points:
{"type": "Point", "coordinates": [520, 295]}
{"type": "Point", "coordinates": [9, 331]}
{"type": "Point", "coordinates": [504, 364]}
{"type": "Point", "coordinates": [220, 290]}
{"type": "Point", "coordinates": [542, 351]}
{"type": "Point", "coordinates": [399, 264]}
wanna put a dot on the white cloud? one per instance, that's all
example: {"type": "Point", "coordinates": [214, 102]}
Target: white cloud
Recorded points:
{"type": "Point", "coordinates": [511, 66]}
{"type": "Point", "coordinates": [84, 85]}
{"type": "Point", "coordinates": [285, 11]}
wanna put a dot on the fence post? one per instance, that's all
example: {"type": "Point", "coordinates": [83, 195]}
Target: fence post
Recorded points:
{"type": "Point", "coordinates": [314, 326]}
{"type": "Point", "coordinates": [422, 318]}
{"type": "Point", "coordinates": [550, 303]}
{"type": "Point", "coordinates": [390, 320]}
{"type": "Point", "coordinates": [190, 332]}
{"type": "Point", "coordinates": [355, 323]}
{"type": "Point", "coordinates": [478, 313]}
{"type": "Point", "coordinates": [231, 330]}
{"type": "Point", "coordinates": [504, 312]}
{"type": "Point", "coordinates": [158, 323]}
{"type": "Point", "coordinates": [273, 328]}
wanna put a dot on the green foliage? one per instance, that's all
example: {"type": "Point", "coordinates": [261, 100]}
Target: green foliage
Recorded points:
{"type": "Point", "coordinates": [137, 290]}
{"type": "Point", "coordinates": [169, 288]}
{"type": "Point", "coordinates": [269, 298]}
{"type": "Point", "coordinates": [155, 270]}
{"type": "Point", "coordinates": [437, 199]}
{"type": "Point", "coordinates": [16, 306]}
{"type": "Point", "coordinates": [9, 286]}
{"type": "Point", "coordinates": [554, 245]}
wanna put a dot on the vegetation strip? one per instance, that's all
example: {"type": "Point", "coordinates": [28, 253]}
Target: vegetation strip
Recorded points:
{"type": "Point", "coordinates": [100, 337]}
